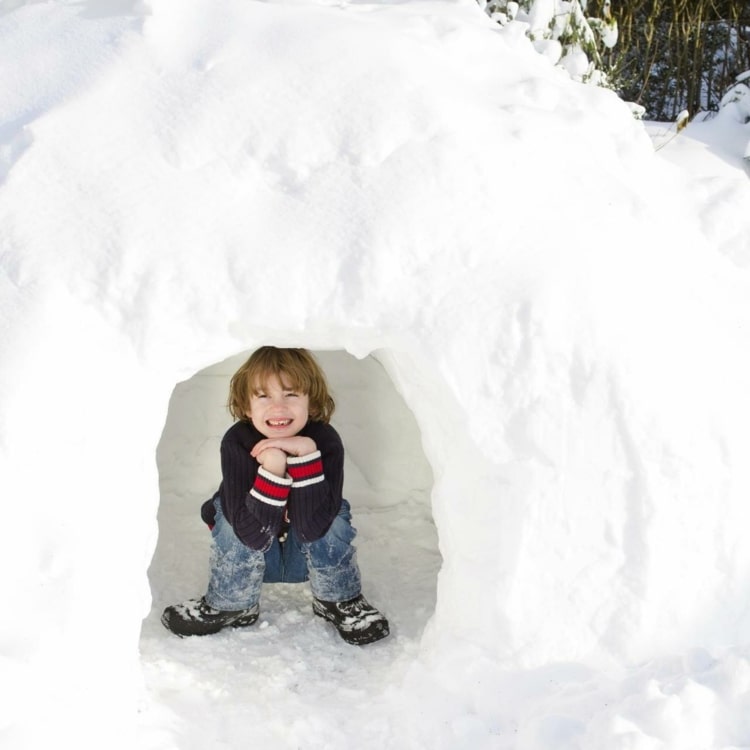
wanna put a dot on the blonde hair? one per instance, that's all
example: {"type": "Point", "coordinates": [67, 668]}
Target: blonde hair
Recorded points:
{"type": "Point", "coordinates": [295, 367]}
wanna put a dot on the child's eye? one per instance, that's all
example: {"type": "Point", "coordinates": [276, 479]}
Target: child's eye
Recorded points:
{"type": "Point", "coordinates": [292, 394]}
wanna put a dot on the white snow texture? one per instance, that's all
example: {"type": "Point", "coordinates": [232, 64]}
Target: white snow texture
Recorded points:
{"type": "Point", "coordinates": [537, 328]}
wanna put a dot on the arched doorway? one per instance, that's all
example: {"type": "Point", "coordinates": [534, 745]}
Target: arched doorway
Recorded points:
{"type": "Point", "coordinates": [388, 481]}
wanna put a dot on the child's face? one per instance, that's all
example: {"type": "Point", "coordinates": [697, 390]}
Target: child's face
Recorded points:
{"type": "Point", "coordinates": [277, 410]}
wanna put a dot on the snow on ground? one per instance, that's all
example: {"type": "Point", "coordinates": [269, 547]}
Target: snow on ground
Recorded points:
{"type": "Point", "coordinates": [536, 328]}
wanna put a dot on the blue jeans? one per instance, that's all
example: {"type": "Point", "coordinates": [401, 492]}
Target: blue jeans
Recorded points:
{"type": "Point", "coordinates": [238, 572]}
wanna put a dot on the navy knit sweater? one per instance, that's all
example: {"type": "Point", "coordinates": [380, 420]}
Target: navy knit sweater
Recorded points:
{"type": "Point", "coordinates": [254, 501]}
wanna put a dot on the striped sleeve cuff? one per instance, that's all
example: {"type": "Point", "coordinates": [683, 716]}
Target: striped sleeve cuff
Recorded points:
{"type": "Point", "coordinates": [305, 470]}
{"type": "Point", "coordinates": [270, 489]}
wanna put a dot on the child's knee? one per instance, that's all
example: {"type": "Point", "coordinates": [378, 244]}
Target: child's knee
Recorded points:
{"type": "Point", "coordinates": [342, 532]}
{"type": "Point", "coordinates": [335, 546]}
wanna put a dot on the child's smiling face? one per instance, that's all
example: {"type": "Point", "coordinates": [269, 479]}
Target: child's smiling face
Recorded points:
{"type": "Point", "coordinates": [277, 409]}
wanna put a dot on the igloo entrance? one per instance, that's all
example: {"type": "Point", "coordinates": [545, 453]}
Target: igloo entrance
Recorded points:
{"type": "Point", "coordinates": [388, 481]}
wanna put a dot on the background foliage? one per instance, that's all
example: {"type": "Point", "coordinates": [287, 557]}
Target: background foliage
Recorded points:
{"type": "Point", "coordinates": [665, 55]}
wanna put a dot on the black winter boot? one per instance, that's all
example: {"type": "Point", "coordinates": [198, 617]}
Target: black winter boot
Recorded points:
{"type": "Point", "coordinates": [195, 617]}
{"type": "Point", "coordinates": [357, 621]}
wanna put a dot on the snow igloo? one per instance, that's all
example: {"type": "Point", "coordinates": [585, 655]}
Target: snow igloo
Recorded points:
{"type": "Point", "coordinates": [405, 187]}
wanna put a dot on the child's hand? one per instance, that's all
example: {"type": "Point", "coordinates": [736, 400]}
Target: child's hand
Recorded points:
{"type": "Point", "coordinates": [271, 459]}
{"type": "Point", "coordinates": [292, 446]}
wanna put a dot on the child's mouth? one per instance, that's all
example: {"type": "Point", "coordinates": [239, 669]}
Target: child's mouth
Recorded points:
{"type": "Point", "coordinates": [278, 422]}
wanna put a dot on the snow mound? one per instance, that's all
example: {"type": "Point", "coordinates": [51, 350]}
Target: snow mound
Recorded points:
{"type": "Point", "coordinates": [181, 182]}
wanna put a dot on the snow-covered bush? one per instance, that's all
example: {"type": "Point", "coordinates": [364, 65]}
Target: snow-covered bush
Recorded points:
{"type": "Point", "coordinates": [737, 101]}
{"type": "Point", "coordinates": [562, 31]}
{"type": "Point", "coordinates": [737, 98]}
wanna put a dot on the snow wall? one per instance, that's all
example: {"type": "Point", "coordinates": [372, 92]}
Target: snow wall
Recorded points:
{"type": "Point", "coordinates": [182, 182]}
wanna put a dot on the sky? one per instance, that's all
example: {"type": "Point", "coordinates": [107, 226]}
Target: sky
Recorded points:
{"type": "Point", "coordinates": [533, 311]}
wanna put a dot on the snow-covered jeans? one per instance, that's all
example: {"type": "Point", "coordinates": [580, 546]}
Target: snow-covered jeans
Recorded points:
{"type": "Point", "coordinates": [238, 572]}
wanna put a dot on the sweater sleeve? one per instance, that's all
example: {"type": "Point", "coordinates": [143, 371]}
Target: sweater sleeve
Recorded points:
{"type": "Point", "coordinates": [253, 499]}
{"type": "Point", "coordinates": [317, 485]}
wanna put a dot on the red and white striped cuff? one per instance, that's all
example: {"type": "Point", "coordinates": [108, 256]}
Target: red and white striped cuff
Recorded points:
{"type": "Point", "coordinates": [268, 488]}
{"type": "Point", "coordinates": [305, 470]}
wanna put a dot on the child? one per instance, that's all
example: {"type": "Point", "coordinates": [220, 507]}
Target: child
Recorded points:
{"type": "Point", "coordinates": [279, 514]}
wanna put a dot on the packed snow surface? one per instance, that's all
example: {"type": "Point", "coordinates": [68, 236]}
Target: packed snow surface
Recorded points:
{"type": "Point", "coordinates": [534, 312]}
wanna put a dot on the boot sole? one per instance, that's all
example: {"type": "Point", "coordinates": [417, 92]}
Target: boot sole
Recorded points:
{"type": "Point", "coordinates": [183, 628]}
